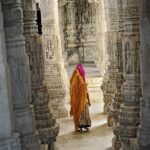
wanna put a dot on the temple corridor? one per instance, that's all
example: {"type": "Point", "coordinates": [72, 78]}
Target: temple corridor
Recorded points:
{"type": "Point", "coordinates": [41, 43]}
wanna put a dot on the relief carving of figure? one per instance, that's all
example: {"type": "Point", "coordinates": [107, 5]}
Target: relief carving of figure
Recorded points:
{"type": "Point", "coordinates": [86, 18]}
{"type": "Point", "coordinates": [128, 59]}
{"type": "Point", "coordinates": [137, 59]}
{"type": "Point", "coordinates": [48, 51]}
{"type": "Point", "coordinates": [70, 13]}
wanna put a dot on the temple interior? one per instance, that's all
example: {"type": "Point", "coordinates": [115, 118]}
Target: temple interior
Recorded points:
{"type": "Point", "coordinates": [42, 41]}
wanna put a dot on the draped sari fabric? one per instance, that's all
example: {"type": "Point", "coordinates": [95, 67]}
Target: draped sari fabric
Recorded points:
{"type": "Point", "coordinates": [78, 96]}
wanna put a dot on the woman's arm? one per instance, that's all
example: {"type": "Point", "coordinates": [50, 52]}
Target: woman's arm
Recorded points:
{"type": "Point", "coordinates": [89, 102]}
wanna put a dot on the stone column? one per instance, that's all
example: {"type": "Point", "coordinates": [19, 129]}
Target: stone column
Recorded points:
{"type": "Point", "coordinates": [69, 31]}
{"type": "Point", "coordinates": [45, 123]}
{"type": "Point", "coordinates": [8, 139]}
{"type": "Point", "coordinates": [109, 86]}
{"type": "Point", "coordinates": [19, 75]}
{"type": "Point", "coordinates": [61, 16]}
{"type": "Point", "coordinates": [100, 37]}
{"type": "Point", "coordinates": [129, 115]}
{"type": "Point", "coordinates": [54, 67]}
{"type": "Point", "coordinates": [118, 100]}
{"type": "Point", "coordinates": [144, 130]}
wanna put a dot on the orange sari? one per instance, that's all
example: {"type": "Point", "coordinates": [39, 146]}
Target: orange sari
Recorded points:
{"type": "Point", "coordinates": [78, 96]}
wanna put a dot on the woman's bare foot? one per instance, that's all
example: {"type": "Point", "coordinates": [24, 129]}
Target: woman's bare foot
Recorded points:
{"type": "Point", "coordinates": [78, 130]}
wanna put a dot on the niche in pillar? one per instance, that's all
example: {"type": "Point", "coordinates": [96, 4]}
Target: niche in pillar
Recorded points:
{"type": "Point", "coordinates": [39, 23]}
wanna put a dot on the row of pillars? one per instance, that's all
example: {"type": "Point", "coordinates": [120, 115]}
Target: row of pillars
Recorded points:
{"type": "Point", "coordinates": [33, 79]}
{"type": "Point", "coordinates": [126, 82]}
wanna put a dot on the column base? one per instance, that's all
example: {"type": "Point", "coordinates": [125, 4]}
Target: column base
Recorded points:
{"type": "Point", "coordinates": [144, 138]}
{"type": "Point", "coordinates": [48, 136]}
{"type": "Point", "coordinates": [116, 145]}
{"type": "Point", "coordinates": [10, 143]}
{"type": "Point", "coordinates": [134, 144]}
{"type": "Point", "coordinates": [44, 147]}
{"type": "Point", "coordinates": [30, 142]}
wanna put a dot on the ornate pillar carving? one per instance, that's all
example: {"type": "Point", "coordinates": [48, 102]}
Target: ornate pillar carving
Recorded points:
{"type": "Point", "coordinates": [19, 75]}
{"type": "Point", "coordinates": [54, 67]}
{"type": "Point", "coordinates": [109, 85]}
{"type": "Point", "coordinates": [9, 140]}
{"type": "Point", "coordinates": [118, 99]}
{"type": "Point", "coordinates": [100, 37]}
{"type": "Point", "coordinates": [80, 31]}
{"type": "Point", "coordinates": [61, 4]}
{"type": "Point", "coordinates": [70, 32]}
{"type": "Point", "coordinates": [129, 115]}
{"type": "Point", "coordinates": [144, 130]}
{"type": "Point", "coordinates": [45, 123]}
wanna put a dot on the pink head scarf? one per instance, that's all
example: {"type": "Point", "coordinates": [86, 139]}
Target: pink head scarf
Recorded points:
{"type": "Point", "coordinates": [81, 70]}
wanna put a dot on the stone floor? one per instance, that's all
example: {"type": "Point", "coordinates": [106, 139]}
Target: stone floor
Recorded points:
{"type": "Point", "coordinates": [98, 138]}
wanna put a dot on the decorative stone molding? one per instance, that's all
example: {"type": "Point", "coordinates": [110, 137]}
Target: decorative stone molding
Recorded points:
{"type": "Point", "coordinates": [19, 75]}
{"type": "Point", "coordinates": [93, 1]}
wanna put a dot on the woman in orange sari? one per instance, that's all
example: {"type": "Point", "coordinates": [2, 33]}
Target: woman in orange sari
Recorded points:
{"type": "Point", "coordinates": [80, 101]}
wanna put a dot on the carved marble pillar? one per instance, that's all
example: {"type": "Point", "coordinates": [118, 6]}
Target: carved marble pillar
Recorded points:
{"type": "Point", "coordinates": [8, 139]}
{"type": "Point", "coordinates": [100, 37]}
{"type": "Point", "coordinates": [67, 23]}
{"type": "Point", "coordinates": [86, 24]}
{"type": "Point", "coordinates": [62, 16]}
{"type": "Point", "coordinates": [80, 31]}
{"type": "Point", "coordinates": [144, 130]}
{"type": "Point", "coordinates": [45, 123]}
{"type": "Point", "coordinates": [118, 100]}
{"type": "Point", "coordinates": [54, 69]}
{"type": "Point", "coordinates": [129, 115]}
{"type": "Point", "coordinates": [109, 85]}
{"type": "Point", "coordinates": [19, 75]}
